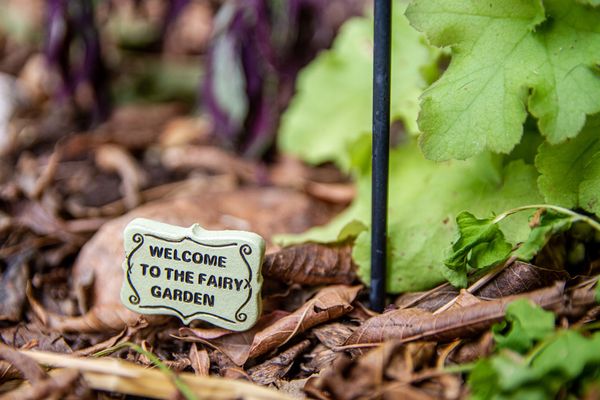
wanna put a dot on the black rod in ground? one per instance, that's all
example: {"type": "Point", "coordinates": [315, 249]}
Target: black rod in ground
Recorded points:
{"type": "Point", "coordinates": [381, 150]}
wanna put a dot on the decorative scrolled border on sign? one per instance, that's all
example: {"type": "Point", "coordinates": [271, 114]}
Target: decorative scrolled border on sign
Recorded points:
{"type": "Point", "coordinates": [244, 250]}
{"type": "Point", "coordinates": [137, 238]}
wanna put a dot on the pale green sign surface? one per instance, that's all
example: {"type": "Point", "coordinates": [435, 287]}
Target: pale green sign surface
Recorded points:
{"type": "Point", "coordinates": [193, 273]}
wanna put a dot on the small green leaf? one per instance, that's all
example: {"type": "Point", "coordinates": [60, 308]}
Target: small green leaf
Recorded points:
{"type": "Point", "coordinates": [564, 361]}
{"type": "Point", "coordinates": [568, 355]}
{"type": "Point", "coordinates": [525, 324]}
{"type": "Point", "coordinates": [481, 243]}
{"type": "Point", "coordinates": [550, 223]}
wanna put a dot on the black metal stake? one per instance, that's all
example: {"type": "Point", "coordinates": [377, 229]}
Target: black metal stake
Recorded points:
{"type": "Point", "coordinates": [381, 148]}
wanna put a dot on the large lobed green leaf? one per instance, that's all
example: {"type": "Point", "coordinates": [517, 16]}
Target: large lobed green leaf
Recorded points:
{"type": "Point", "coordinates": [508, 57]}
{"type": "Point", "coordinates": [333, 103]}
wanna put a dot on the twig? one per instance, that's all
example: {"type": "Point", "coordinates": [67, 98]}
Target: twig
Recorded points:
{"type": "Point", "coordinates": [115, 375]}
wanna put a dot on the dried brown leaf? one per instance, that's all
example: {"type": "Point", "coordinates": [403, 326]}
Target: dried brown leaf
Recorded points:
{"type": "Point", "coordinates": [518, 277]}
{"type": "Point", "coordinates": [56, 387]}
{"type": "Point", "coordinates": [114, 158]}
{"type": "Point", "coordinates": [34, 336]}
{"type": "Point", "coordinates": [275, 368]}
{"type": "Point", "coordinates": [320, 358]}
{"type": "Point", "coordinates": [28, 367]}
{"type": "Point", "coordinates": [472, 350]}
{"type": "Point", "coordinates": [348, 379]}
{"type": "Point", "coordinates": [294, 387]}
{"type": "Point", "coordinates": [12, 287]}
{"type": "Point", "coordinates": [199, 360]}
{"type": "Point", "coordinates": [312, 264]}
{"type": "Point", "coordinates": [413, 324]}
{"type": "Point", "coordinates": [374, 373]}
{"type": "Point", "coordinates": [334, 334]}
{"type": "Point", "coordinates": [400, 390]}
{"type": "Point", "coordinates": [464, 299]}
{"type": "Point", "coordinates": [235, 345]}
{"type": "Point", "coordinates": [328, 304]}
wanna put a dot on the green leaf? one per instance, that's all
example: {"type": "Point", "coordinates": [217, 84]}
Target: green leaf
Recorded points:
{"type": "Point", "coordinates": [570, 172]}
{"type": "Point", "coordinates": [425, 197]}
{"type": "Point", "coordinates": [525, 324]}
{"type": "Point", "coordinates": [508, 57]}
{"type": "Point", "coordinates": [566, 360]}
{"type": "Point", "coordinates": [333, 104]}
{"type": "Point", "coordinates": [571, 346]}
{"type": "Point", "coordinates": [481, 243]}
{"type": "Point", "coordinates": [550, 223]}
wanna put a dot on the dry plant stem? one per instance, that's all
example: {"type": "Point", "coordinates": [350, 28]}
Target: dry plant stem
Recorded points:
{"type": "Point", "coordinates": [441, 361]}
{"type": "Point", "coordinates": [299, 324]}
{"type": "Point", "coordinates": [479, 283]}
{"type": "Point", "coordinates": [425, 295]}
{"type": "Point", "coordinates": [120, 376]}
{"type": "Point", "coordinates": [180, 385]}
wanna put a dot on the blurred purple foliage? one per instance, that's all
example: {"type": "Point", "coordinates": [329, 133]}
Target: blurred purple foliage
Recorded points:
{"type": "Point", "coordinates": [258, 48]}
{"type": "Point", "coordinates": [73, 49]}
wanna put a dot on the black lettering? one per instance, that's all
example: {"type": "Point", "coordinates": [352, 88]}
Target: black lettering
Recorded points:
{"type": "Point", "coordinates": [177, 294]}
{"type": "Point", "coordinates": [155, 290]}
{"type": "Point", "coordinates": [186, 256]}
{"type": "Point", "coordinates": [154, 271]}
{"type": "Point", "coordinates": [156, 251]}
{"type": "Point", "coordinates": [227, 283]}
{"type": "Point", "coordinates": [187, 296]}
{"type": "Point", "coordinates": [201, 278]}
{"type": "Point", "coordinates": [144, 266]}
{"type": "Point", "coordinates": [167, 294]}
{"type": "Point", "coordinates": [238, 284]}
{"type": "Point", "coordinates": [198, 298]}
{"type": "Point", "coordinates": [197, 258]}
{"type": "Point", "coordinates": [179, 275]}
{"type": "Point", "coordinates": [210, 260]}
{"type": "Point", "coordinates": [175, 256]}
{"type": "Point", "coordinates": [212, 281]}
{"type": "Point", "coordinates": [208, 300]}
{"type": "Point", "coordinates": [189, 277]}
{"type": "Point", "coordinates": [222, 260]}
{"type": "Point", "coordinates": [169, 253]}
{"type": "Point", "coordinates": [169, 271]}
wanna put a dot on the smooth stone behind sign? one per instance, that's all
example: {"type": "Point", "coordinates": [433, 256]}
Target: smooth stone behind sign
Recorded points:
{"type": "Point", "coordinates": [193, 273]}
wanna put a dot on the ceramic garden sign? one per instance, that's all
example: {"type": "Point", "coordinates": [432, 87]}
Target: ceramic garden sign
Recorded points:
{"type": "Point", "coordinates": [193, 273]}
